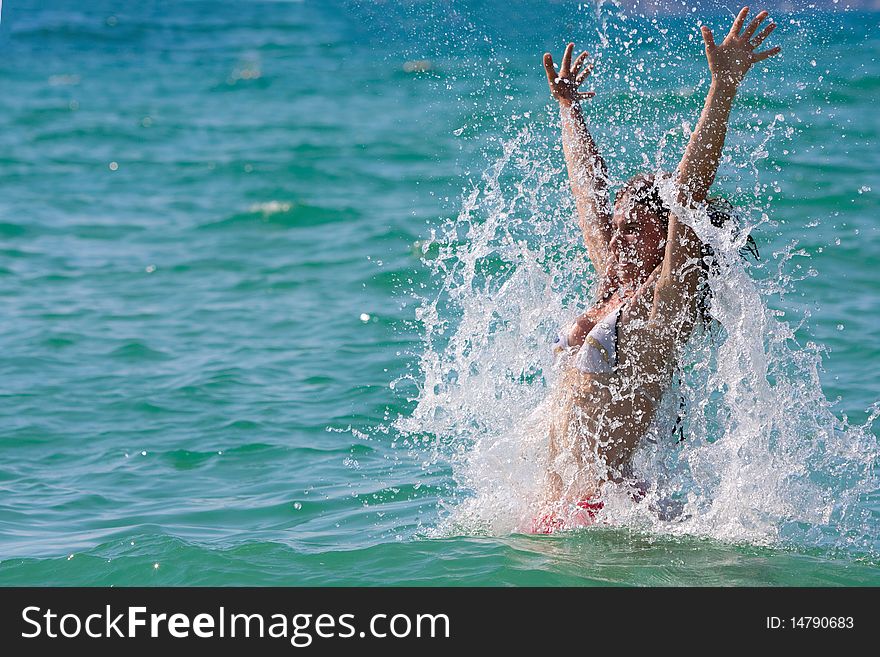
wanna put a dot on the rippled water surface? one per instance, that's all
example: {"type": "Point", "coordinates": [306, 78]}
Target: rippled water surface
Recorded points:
{"type": "Point", "coordinates": [231, 247]}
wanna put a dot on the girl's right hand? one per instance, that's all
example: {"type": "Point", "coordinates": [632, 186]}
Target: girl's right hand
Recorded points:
{"type": "Point", "coordinates": [564, 83]}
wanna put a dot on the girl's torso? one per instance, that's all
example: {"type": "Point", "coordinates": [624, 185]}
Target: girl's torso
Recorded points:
{"type": "Point", "coordinates": [614, 376]}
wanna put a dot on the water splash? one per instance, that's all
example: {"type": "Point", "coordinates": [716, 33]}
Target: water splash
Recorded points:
{"type": "Point", "coordinates": [766, 460]}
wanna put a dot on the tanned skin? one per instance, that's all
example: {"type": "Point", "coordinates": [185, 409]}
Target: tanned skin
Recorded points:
{"type": "Point", "coordinates": [643, 261]}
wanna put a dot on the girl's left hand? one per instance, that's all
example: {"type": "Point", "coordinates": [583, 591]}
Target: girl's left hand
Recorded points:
{"type": "Point", "coordinates": [731, 60]}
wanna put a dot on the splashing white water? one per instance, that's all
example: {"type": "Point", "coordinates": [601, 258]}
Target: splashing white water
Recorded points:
{"type": "Point", "coordinates": [765, 456]}
{"type": "Point", "coordinates": [765, 459]}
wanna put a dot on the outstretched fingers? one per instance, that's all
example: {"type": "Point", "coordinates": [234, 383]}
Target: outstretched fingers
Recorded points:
{"type": "Point", "coordinates": [738, 22]}
{"type": "Point", "coordinates": [753, 26]}
{"type": "Point", "coordinates": [583, 74]}
{"type": "Point", "coordinates": [708, 38]}
{"type": "Point", "coordinates": [565, 81]}
{"type": "Point", "coordinates": [760, 56]}
{"type": "Point", "coordinates": [763, 34]}
{"type": "Point", "coordinates": [566, 60]}
{"type": "Point", "coordinates": [548, 67]}
{"type": "Point", "coordinates": [578, 63]}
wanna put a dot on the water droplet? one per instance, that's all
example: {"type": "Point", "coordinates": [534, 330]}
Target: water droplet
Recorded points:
{"type": "Point", "coordinates": [840, 327]}
{"type": "Point", "coordinates": [365, 317]}
{"type": "Point", "coordinates": [297, 505]}
{"type": "Point", "coordinates": [114, 166]}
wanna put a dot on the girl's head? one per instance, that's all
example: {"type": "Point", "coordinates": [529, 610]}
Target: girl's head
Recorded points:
{"type": "Point", "coordinates": [638, 229]}
{"type": "Point", "coordinates": [640, 223]}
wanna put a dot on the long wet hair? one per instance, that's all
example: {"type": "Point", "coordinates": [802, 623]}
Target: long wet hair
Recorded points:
{"type": "Point", "coordinates": [643, 191]}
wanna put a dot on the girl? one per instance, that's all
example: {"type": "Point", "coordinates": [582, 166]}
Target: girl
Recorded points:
{"type": "Point", "coordinates": [624, 349]}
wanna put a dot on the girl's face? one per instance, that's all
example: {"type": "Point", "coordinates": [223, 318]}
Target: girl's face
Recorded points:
{"type": "Point", "coordinates": [638, 240]}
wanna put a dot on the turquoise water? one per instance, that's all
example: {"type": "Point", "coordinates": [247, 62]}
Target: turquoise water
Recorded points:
{"type": "Point", "coordinates": [219, 222]}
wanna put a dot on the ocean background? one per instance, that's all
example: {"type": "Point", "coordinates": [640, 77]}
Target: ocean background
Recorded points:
{"type": "Point", "coordinates": [231, 238]}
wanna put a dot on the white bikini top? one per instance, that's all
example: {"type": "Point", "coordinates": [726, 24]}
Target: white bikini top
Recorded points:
{"type": "Point", "coordinates": [598, 355]}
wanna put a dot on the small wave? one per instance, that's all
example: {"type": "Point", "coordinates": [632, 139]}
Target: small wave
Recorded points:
{"type": "Point", "coordinates": [269, 208]}
{"type": "Point", "coordinates": [283, 214]}
{"type": "Point", "coordinates": [183, 459]}
{"type": "Point", "coordinates": [10, 230]}
{"type": "Point", "coordinates": [136, 351]}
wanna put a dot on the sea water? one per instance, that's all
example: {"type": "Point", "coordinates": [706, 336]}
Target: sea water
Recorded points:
{"type": "Point", "coordinates": [280, 280]}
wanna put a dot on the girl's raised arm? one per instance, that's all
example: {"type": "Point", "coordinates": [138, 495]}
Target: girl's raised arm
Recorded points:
{"type": "Point", "coordinates": [675, 293]}
{"type": "Point", "coordinates": [586, 168]}
{"type": "Point", "coordinates": [728, 62]}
